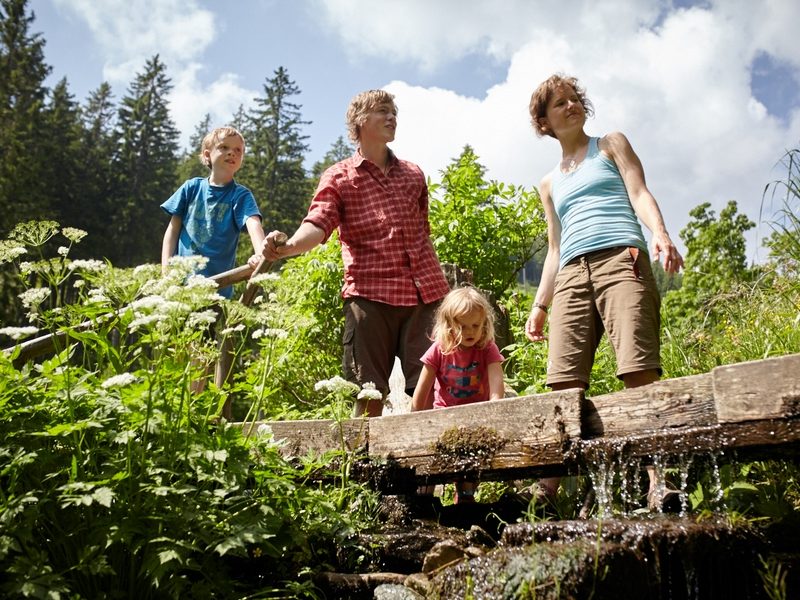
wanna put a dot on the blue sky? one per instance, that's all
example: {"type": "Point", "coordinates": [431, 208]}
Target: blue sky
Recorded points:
{"type": "Point", "coordinates": [707, 92]}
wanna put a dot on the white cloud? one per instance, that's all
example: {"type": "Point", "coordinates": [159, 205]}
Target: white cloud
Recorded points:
{"type": "Point", "coordinates": [129, 32]}
{"type": "Point", "coordinates": [677, 83]}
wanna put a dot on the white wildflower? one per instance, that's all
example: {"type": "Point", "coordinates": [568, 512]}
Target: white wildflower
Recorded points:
{"type": "Point", "coordinates": [145, 321]}
{"type": "Point", "coordinates": [79, 283]}
{"type": "Point", "coordinates": [10, 251]}
{"type": "Point", "coordinates": [62, 250]}
{"type": "Point", "coordinates": [26, 268]}
{"type": "Point", "coordinates": [201, 320]}
{"type": "Point", "coordinates": [147, 303]}
{"type": "Point", "coordinates": [120, 380]}
{"type": "Point", "coordinates": [200, 282]}
{"type": "Point", "coordinates": [16, 333]}
{"type": "Point", "coordinates": [337, 385]}
{"type": "Point", "coordinates": [97, 296]}
{"type": "Point", "coordinates": [34, 297]}
{"type": "Point", "coordinates": [92, 265]}
{"type": "Point", "coordinates": [230, 330]}
{"type": "Point", "coordinates": [73, 234]}
{"type": "Point", "coordinates": [369, 392]}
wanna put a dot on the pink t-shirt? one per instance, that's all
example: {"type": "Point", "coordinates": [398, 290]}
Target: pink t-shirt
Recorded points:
{"type": "Point", "coordinates": [461, 377]}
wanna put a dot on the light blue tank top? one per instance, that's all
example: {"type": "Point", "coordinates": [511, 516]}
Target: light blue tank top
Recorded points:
{"type": "Point", "coordinates": [594, 208]}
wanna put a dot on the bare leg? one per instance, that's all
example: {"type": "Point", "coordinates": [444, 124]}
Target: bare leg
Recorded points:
{"type": "Point", "coordinates": [369, 408]}
{"type": "Point", "coordinates": [465, 491]}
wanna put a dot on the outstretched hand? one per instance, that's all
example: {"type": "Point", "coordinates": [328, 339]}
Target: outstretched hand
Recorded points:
{"type": "Point", "coordinates": [661, 242]}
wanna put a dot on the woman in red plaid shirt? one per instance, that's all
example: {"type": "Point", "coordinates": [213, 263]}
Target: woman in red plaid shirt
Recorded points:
{"type": "Point", "coordinates": [393, 281]}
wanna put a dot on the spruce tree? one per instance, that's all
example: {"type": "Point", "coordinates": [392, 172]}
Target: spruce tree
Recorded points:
{"type": "Point", "coordinates": [273, 166]}
{"type": "Point", "coordinates": [190, 165]}
{"type": "Point", "coordinates": [66, 168]}
{"type": "Point", "coordinates": [145, 167]}
{"type": "Point", "coordinates": [339, 150]}
{"type": "Point", "coordinates": [98, 150]}
{"type": "Point", "coordinates": [23, 193]}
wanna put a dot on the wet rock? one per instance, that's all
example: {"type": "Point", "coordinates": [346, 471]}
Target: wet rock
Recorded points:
{"type": "Point", "coordinates": [403, 551]}
{"type": "Point", "coordinates": [420, 583]}
{"type": "Point", "coordinates": [654, 558]}
{"type": "Point", "coordinates": [353, 586]}
{"type": "Point", "coordinates": [443, 554]}
{"type": "Point", "coordinates": [477, 536]}
{"type": "Point", "coordinates": [395, 592]}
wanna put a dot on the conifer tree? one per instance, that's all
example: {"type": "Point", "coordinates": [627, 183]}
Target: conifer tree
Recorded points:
{"type": "Point", "coordinates": [339, 150]}
{"type": "Point", "coordinates": [145, 167]}
{"type": "Point", "coordinates": [22, 98]}
{"type": "Point", "coordinates": [66, 167]}
{"type": "Point", "coordinates": [273, 168]}
{"type": "Point", "coordinates": [98, 150]}
{"type": "Point", "coordinates": [190, 165]}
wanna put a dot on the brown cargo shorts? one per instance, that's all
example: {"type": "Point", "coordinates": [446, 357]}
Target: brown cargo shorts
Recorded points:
{"type": "Point", "coordinates": [609, 291]}
{"type": "Point", "coordinates": [374, 333]}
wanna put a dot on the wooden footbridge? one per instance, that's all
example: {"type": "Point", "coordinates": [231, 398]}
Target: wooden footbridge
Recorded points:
{"type": "Point", "coordinates": [752, 408]}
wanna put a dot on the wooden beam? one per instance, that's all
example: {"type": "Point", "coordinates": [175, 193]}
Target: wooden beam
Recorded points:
{"type": "Point", "coordinates": [755, 439]}
{"type": "Point", "coordinates": [314, 437]}
{"type": "Point", "coordinates": [515, 433]}
{"type": "Point", "coordinates": [761, 389]}
{"type": "Point", "coordinates": [664, 405]}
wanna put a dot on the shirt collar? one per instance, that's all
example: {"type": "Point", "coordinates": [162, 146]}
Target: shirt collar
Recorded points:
{"type": "Point", "coordinates": [358, 159]}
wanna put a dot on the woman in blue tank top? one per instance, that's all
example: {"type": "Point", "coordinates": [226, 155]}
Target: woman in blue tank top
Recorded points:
{"type": "Point", "coordinates": [596, 276]}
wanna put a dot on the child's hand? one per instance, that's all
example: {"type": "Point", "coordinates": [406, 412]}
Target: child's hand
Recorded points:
{"type": "Point", "coordinates": [254, 260]}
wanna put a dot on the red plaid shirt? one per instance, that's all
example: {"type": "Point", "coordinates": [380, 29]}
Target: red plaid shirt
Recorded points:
{"type": "Point", "coordinates": [383, 226]}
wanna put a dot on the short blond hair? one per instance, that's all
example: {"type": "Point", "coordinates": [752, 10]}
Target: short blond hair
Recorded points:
{"type": "Point", "coordinates": [544, 93]}
{"type": "Point", "coordinates": [362, 104]}
{"type": "Point", "coordinates": [213, 138]}
{"type": "Point", "coordinates": [457, 304]}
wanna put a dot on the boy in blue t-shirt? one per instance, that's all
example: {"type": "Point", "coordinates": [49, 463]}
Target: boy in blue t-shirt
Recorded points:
{"type": "Point", "coordinates": [208, 214]}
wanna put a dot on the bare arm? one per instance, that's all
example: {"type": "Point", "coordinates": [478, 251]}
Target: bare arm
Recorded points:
{"type": "Point", "coordinates": [307, 237]}
{"type": "Point", "coordinates": [544, 293]}
{"type": "Point", "coordinates": [257, 237]}
{"type": "Point", "coordinates": [422, 393]}
{"type": "Point", "coordinates": [619, 149]}
{"type": "Point", "coordinates": [497, 388]}
{"type": "Point", "coordinates": [170, 244]}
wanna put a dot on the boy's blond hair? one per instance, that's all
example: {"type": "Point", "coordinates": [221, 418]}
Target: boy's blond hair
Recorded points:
{"type": "Point", "coordinates": [541, 97]}
{"type": "Point", "coordinates": [360, 105]}
{"type": "Point", "coordinates": [213, 138]}
{"type": "Point", "coordinates": [459, 303]}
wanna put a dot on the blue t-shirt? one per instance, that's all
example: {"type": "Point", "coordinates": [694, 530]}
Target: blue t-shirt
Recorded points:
{"type": "Point", "coordinates": [594, 208]}
{"type": "Point", "coordinates": [212, 219]}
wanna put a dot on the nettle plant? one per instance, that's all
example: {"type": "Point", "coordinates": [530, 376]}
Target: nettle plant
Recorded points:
{"type": "Point", "coordinates": [117, 479]}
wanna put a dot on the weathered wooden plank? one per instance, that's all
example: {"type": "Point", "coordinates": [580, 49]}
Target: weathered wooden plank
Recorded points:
{"type": "Point", "coordinates": [774, 438]}
{"type": "Point", "coordinates": [761, 389]}
{"type": "Point", "coordinates": [316, 437]}
{"type": "Point", "coordinates": [514, 433]}
{"type": "Point", "coordinates": [667, 404]}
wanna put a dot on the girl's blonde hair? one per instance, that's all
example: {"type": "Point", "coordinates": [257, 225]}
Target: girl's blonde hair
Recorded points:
{"type": "Point", "coordinates": [213, 138]}
{"type": "Point", "coordinates": [458, 304]}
